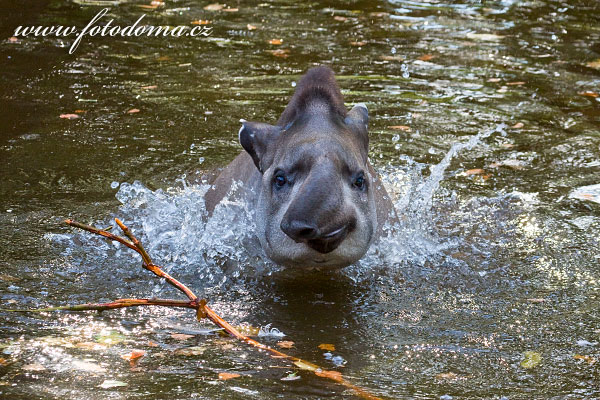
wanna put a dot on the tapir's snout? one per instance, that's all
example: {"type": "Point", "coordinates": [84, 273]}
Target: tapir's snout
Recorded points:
{"type": "Point", "coordinates": [308, 232]}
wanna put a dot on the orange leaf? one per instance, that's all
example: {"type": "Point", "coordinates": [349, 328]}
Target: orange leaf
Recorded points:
{"type": "Point", "coordinates": [276, 41]}
{"type": "Point", "coordinates": [151, 87]}
{"type": "Point", "coordinates": [79, 111]}
{"type": "Point", "coordinates": [285, 344]}
{"type": "Point", "coordinates": [201, 22]}
{"type": "Point", "coordinates": [518, 125]}
{"type": "Point", "coordinates": [333, 375]}
{"type": "Point", "coordinates": [69, 116]}
{"type": "Point", "coordinates": [13, 39]}
{"type": "Point", "coordinates": [133, 111]}
{"type": "Point", "coordinates": [594, 64]}
{"type": "Point", "coordinates": [134, 355]}
{"type": "Point", "coordinates": [590, 360]}
{"type": "Point", "coordinates": [358, 44]}
{"type": "Point", "coordinates": [340, 18]}
{"type": "Point", "coordinates": [181, 336]}
{"type": "Point", "coordinates": [282, 53]}
{"type": "Point", "coordinates": [589, 94]}
{"type": "Point", "coordinates": [425, 57]}
{"type": "Point", "coordinates": [327, 346]}
{"type": "Point", "coordinates": [475, 171]}
{"type": "Point", "coordinates": [400, 128]}
{"type": "Point", "coordinates": [227, 375]}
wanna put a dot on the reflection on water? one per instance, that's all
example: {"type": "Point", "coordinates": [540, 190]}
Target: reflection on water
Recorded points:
{"type": "Point", "coordinates": [486, 131]}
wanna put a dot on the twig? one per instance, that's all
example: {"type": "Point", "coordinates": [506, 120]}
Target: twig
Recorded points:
{"type": "Point", "coordinates": [202, 310]}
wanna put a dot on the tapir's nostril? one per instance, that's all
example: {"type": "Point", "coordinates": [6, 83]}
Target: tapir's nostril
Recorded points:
{"type": "Point", "coordinates": [299, 230]}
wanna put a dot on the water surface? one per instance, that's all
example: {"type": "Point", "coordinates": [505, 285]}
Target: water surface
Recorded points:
{"type": "Point", "coordinates": [485, 127]}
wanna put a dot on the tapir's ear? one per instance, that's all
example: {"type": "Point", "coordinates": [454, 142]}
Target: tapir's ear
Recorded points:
{"type": "Point", "coordinates": [255, 138]}
{"type": "Point", "coordinates": [358, 120]}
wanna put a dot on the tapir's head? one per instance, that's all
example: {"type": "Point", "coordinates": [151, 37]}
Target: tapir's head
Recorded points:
{"type": "Point", "coordinates": [316, 207]}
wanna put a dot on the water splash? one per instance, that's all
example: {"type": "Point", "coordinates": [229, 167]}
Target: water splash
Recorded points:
{"type": "Point", "coordinates": [178, 232]}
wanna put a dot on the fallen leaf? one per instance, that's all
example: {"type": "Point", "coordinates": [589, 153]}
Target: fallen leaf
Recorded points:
{"type": "Point", "coordinates": [426, 57]}
{"type": "Point", "coordinates": [110, 383]}
{"type": "Point", "coordinates": [291, 377]}
{"type": "Point", "coordinates": [88, 366]}
{"type": "Point", "coordinates": [589, 94]}
{"type": "Point", "coordinates": [148, 6]}
{"type": "Point", "coordinates": [276, 41]}
{"type": "Point", "coordinates": [181, 336]}
{"type": "Point", "coordinates": [327, 346]}
{"type": "Point", "coordinates": [163, 58]}
{"type": "Point", "coordinates": [358, 44]}
{"type": "Point", "coordinates": [333, 375]}
{"type": "Point", "coordinates": [283, 53]}
{"type": "Point", "coordinates": [590, 360]}
{"type": "Point", "coordinates": [214, 7]}
{"type": "Point", "coordinates": [305, 365]}
{"type": "Point", "coordinates": [152, 344]}
{"type": "Point", "coordinates": [392, 58]}
{"type": "Point", "coordinates": [110, 338]}
{"type": "Point", "coordinates": [447, 376]}
{"type": "Point", "coordinates": [400, 128]}
{"type": "Point", "coordinates": [486, 37]}
{"type": "Point", "coordinates": [515, 83]}
{"type": "Point", "coordinates": [69, 116]}
{"type": "Point", "coordinates": [531, 359]}
{"type": "Point", "coordinates": [201, 22]}
{"type": "Point", "coordinates": [190, 351]}
{"type": "Point", "coordinates": [134, 355]}
{"type": "Point", "coordinates": [231, 9]}
{"type": "Point", "coordinates": [251, 27]}
{"type": "Point", "coordinates": [227, 375]}
{"type": "Point", "coordinates": [285, 344]}
{"type": "Point", "coordinates": [80, 111]}
{"type": "Point", "coordinates": [474, 171]}
{"type": "Point", "coordinates": [3, 361]}
{"type": "Point", "coordinates": [33, 367]}
{"type": "Point", "coordinates": [340, 18]}
{"type": "Point", "coordinates": [13, 39]}
{"type": "Point", "coordinates": [518, 125]}
{"type": "Point", "coordinates": [133, 111]}
{"type": "Point", "coordinates": [594, 64]}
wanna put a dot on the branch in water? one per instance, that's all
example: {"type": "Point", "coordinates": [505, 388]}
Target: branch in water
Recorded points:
{"type": "Point", "coordinates": [202, 310]}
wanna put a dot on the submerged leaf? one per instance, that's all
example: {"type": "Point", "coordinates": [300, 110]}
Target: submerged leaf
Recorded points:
{"type": "Point", "coordinates": [285, 344]}
{"type": "Point", "coordinates": [134, 355]}
{"type": "Point", "coordinates": [227, 375]}
{"type": "Point", "coordinates": [181, 336]}
{"type": "Point", "coordinates": [327, 346]}
{"type": "Point", "coordinates": [110, 383]}
{"type": "Point", "coordinates": [531, 360]}
{"type": "Point", "coordinates": [305, 365]}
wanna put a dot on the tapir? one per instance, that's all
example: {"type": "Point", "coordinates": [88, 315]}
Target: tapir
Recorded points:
{"type": "Point", "coordinates": [317, 200]}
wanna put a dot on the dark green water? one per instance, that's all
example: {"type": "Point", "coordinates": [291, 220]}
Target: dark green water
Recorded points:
{"type": "Point", "coordinates": [484, 267]}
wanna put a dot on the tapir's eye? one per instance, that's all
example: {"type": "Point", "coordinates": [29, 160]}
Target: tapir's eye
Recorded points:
{"type": "Point", "coordinates": [360, 182]}
{"type": "Point", "coordinates": [280, 180]}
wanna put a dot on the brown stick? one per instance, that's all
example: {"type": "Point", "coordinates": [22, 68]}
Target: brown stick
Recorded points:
{"type": "Point", "coordinates": [202, 310]}
{"type": "Point", "coordinates": [120, 303]}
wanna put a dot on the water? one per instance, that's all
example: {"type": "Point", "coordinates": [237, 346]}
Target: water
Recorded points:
{"type": "Point", "coordinates": [486, 132]}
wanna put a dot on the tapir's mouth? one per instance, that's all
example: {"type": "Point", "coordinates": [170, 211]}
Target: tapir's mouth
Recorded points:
{"type": "Point", "coordinates": [330, 241]}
